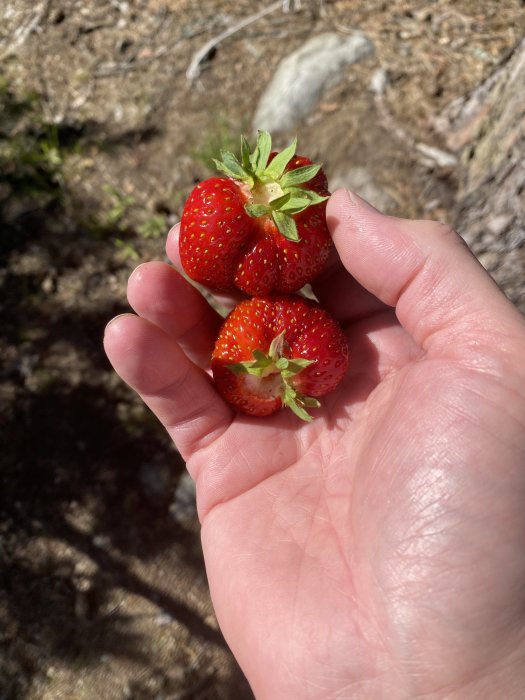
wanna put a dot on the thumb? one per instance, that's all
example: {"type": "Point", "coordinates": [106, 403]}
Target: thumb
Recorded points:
{"type": "Point", "coordinates": [442, 295]}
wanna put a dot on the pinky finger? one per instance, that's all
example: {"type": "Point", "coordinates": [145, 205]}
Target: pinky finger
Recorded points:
{"type": "Point", "coordinates": [179, 393]}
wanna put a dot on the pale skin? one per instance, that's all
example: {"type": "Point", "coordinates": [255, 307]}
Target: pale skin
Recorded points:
{"type": "Point", "coordinates": [377, 552]}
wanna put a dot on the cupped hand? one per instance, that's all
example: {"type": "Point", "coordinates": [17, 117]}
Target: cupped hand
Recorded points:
{"type": "Point", "coordinates": [376, 552]}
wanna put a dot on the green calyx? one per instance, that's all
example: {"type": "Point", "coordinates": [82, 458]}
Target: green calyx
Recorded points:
{"type": "Point", "coordinates": [275, 363]}
{"type": "Point", "coordinates": [275, 193]}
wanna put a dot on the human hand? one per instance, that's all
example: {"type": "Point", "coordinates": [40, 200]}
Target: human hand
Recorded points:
{"type": "Point", "coordinates": [376, 552]}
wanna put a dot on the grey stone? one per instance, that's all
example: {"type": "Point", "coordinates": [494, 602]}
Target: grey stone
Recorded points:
{"type": "Point", "coordinates": [360, 181]}
{"type": "Point", "coordinates": [301, 78]}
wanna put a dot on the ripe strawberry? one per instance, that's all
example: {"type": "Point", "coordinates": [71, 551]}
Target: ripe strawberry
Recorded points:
{"type": "Point", "coordinates": [278, 350]}
{"type": "Point", "coordinates": [258, 229]}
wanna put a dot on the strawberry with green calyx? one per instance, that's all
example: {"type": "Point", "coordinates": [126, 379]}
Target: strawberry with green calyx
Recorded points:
{"type": "Point", "coordinates": [262, 227]}
{"type": "Point", "coordinates": [275, 191]}
{"type": "Point", "coordinates": [278, 351]}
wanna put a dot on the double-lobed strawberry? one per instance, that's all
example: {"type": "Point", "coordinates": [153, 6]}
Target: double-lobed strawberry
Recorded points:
{"type": "Point", "coordinates": [262, 228]}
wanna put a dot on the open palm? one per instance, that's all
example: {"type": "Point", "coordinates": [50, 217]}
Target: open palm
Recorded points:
{"type": "Point", "coordinates": [377, 551]}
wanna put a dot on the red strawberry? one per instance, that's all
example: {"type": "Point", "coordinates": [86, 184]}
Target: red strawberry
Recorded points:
{"type": "Point", "coordinates": [259, 229]}
{"type": "Point", "coordinates": [278, 350]}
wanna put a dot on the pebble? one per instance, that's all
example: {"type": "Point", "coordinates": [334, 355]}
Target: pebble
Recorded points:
{"type": "Point", "coordinates": [302, 76]}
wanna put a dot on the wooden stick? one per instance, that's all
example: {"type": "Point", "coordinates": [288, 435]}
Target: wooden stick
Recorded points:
{"type": "Point", "coordinates": [193, 70]}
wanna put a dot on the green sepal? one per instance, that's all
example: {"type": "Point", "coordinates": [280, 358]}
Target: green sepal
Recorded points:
{"type": "Point", "coordinates": [295, 206]}
{"type": "Point", "coordinates": [310, 402]}
{"type": "Point", "coordinates": [259, 367]}
{"type": "Point", "coordinates": [291, 367]}
{"type": "Point", "coordinates": [279, 202]}
{"type": "Point", "coordinates": [261, 153]}
{"type": "Point", "coordinates": [260, 357]}
{"type": "Point", "coordinates": [276, 168]}
{"type": "Point", "coordinates": [255, 171]}
{"type": "Point", "coordinates": [288, 204]}
{"type": "Point", "coordinates": [299, 176]}
{"type": "Point", "coordinates": [313, 197]}
{"type": "Point", "coordinates": [295, 366]}
{"type": "Point", "coordinates": [256, 210]}
{"type": "Point", "coordinates": [229, 165]}
{"type": "Point", "coordinates": [245, 153]}
{"type": "Point", "coordinates": [296, 199]}
{"type": "Point", "coordinates": [276, 348]}
{"type": "Point", "coordinates": [238, 367]}
{"type": "Point", "coordinates": [286, 226]}
{"type": "Point", "coordinates": [296, 403]}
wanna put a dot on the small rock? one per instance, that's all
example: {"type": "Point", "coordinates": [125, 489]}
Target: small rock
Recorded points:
{"type": "Point", "coordinates": [432, 205]}
{"type": "Point", "coordinates": [379, 81]}
{"type": "Point", "coordinates": [48, 284]}
{"type": "Point", "coordinates": [500, 223]}
{"type": "Point", "coordinates": [301, 78]}
{"type": "Point", "coordinates": [163, 619]}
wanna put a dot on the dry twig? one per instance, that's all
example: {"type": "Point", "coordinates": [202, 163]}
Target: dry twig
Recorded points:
{"type": "Point", "coordinates": [193, 70]}
{"type": "Point", "coordinates": [22, 33]}
{"type": "Point", "coordinates": [429, 154]}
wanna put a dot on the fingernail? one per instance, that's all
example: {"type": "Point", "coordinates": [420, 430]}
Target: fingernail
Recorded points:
{"type": "Point", "coordinates": [174, 230]}
{"type": "Point", "coordinates": [134, 273]}
{"type": "Point", "coordinates": [115, 318]}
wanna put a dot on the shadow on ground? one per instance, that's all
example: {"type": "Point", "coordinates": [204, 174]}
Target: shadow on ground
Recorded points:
{"type": "Point", "coordinates": [102, 583]}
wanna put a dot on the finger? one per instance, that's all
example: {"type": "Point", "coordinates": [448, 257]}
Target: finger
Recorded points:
{"type": "Point", "coordinates": [180, 394]}
{"type": "Point", "coordinates": [162, 296]}
{"type": "Point", "coordinates": [338, 292]}
{"type": "Point", "coordinates": [443, 297]}
{"type": "Point", "coordinates": [342, 295]}
{"type": "Point", "coordinates": [227, 301]}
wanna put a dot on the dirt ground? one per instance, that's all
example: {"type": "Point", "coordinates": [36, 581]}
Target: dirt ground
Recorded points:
{"type": "Point", "coordinates": [103, 588]}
